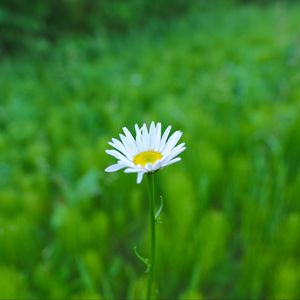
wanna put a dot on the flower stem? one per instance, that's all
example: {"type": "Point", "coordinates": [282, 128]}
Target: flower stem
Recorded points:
{"type": "Point", "coordinates": [152, 238]}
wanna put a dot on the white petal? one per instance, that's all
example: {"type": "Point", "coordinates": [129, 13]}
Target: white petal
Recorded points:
{"type": "Point", "coordinates": [130, 139]}
{"type": "Point", "coordinates": [132, 170]}
{"type": "Point", "coordinates": [145, 137]}
{"type": "Point", "coordinates": [172, 161]}
{"type": "Point", "coordinates": [157, 165]}
{"type": "Point", "coordinates": [139, 177]}
{"type": "Point", "coordinates": [127, 145]}
{"type": "Point", "coordinates": [139, 143]}
{"type": "Point", "coordinates": [118, 155]}
{"type": "Point", "coordinates": [137, 129]}
{"type": "Point", "coordinates": [164, 138]}
{"type": "Point", "coordinates": [152, 134]}
{"type": "Point", "coordinates": [125, 164]}
{"type": "Point", "coordinates": [148, 167]}
{"type": "Point", "coordinates": [119, 146]}
{"type": "Point", "coordinates": [173, 140]}
{"type": "Point", "coordinates": [114, 168]}
{"type": "Point", "coordinates": [175, 151]}
{"type": "Point", "coordinates": [157, 137]}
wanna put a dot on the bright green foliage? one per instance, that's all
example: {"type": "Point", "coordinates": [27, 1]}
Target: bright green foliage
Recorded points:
{"type": "Point", "coordinates": [229, 79]}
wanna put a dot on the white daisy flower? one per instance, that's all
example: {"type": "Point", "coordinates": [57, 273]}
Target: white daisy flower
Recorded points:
{"type": "Point", "coordinates": [148, 152]}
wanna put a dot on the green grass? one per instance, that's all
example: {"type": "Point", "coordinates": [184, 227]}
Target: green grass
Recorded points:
{"type": "Point", "coordinates": [229, 79]}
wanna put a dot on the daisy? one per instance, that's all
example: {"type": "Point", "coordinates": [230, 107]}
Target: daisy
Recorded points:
{"type": "Point", "coordinates": [148, 152]}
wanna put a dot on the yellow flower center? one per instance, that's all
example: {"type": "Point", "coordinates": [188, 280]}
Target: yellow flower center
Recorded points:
{"type": "Point", "coordinates": [146, 157]}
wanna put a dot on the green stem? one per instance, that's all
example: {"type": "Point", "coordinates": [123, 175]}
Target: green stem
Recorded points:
{"type": "Point", "coordinates": [152, 222]}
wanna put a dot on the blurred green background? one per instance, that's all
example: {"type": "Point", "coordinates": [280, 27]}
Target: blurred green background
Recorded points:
{"type": "Point", "coordinates": [226, 73]}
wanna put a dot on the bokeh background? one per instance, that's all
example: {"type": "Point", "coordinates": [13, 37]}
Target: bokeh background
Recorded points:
{"type": "Point", "coordinates": [226, 73]}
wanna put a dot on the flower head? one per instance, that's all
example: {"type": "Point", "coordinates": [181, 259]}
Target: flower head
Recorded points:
{"type": "Point", "coordinates": [148, 152]}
